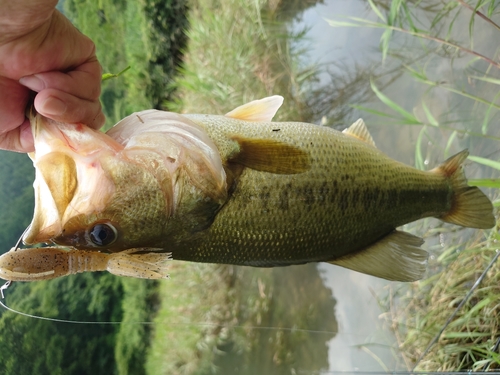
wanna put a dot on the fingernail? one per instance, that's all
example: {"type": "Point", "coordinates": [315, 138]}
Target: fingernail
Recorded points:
{"type": "Point", "coordinates": [32, 82]}
{"type": "Point", "coordinates": [53, 106]}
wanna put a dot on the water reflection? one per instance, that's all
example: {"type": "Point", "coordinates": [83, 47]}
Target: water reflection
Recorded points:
{"type": "Point", "coordinates": [446, 91]}
{"type": "Point", "coordinates": [308, 319]}
{"type": "Point", "coordinates": [293, 328]}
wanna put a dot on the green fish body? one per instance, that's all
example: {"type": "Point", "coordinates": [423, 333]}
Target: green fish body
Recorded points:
{"type": "Point", "coordinates": [240, 189]}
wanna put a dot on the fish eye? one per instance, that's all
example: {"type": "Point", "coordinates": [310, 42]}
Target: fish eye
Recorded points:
{"type": "Point", "coordinates": [103, 234]}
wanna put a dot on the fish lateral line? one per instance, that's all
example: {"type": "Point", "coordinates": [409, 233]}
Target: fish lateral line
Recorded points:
{"type": "Point", "coordinates": [239, 184]}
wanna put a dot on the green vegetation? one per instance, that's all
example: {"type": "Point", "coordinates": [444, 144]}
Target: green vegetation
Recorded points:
{"type": "Point", "coordinates": [82, 345]}
{"type": "Point", "coordinates": [239, 51]}
{"type": "Point", "coordinates": [243, 50]}
{"type": "Point", "coordinates": [139, 305]}
{"type": "Point", "coordinates": [125, 35]}
{"type": "Point", "coordinates": [33, 346]}
{"type": "Point", "coordinates": [229, 63]}
{"type": "Point", "coordinates": [179, 344]}
{"type": "Point", "coordinates": [214, 319]}
{"type": "Point", "coordinates": [469, 340]}
{"type": "Point", "coordinates": [474, 91]}
{"type": "Point", "coordinates": [146, 35]}
{"type": "Point", "coordinates": [16, 196]}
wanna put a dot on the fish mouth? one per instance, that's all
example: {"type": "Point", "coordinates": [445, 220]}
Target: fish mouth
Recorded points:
{"type": "Point", "coordinates": [55, 185]}
{"type": "Point", "coordinates": [67, 163]}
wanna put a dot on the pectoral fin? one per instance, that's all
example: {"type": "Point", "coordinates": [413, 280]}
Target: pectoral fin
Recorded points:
{"type": "Point", "coordinates": [396, 257]}
{"type": "Point", "coordinates": [257, 110]}
{"type": "Point", "coordinates": [268, 155]}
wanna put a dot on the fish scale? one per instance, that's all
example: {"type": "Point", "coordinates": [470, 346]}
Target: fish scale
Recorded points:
{"type": "Point", "coordinates": [353, 185]}
{"type": "Point", "coordinates": [233, 189]}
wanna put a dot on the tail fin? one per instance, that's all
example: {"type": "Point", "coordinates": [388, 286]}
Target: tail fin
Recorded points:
{"type": "Point", "coordinates": [470, 207]}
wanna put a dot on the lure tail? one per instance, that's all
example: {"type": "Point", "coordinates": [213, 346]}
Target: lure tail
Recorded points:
{"type": "Point", "coordinates": [469, 207]}
{"type": "Point", "coordinates": [44, 263]}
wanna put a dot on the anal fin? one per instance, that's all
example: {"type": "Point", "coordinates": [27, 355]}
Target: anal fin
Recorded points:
{"type": "Point", "coordinates": [396, 257]}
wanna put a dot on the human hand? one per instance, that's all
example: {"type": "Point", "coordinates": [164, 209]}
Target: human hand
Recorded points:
{"type": "Point", "coordinates": [41, 51]}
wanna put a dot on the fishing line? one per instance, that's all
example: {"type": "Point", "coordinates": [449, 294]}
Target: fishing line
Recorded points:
{"type": "Point", "coordinates": [495, 348]}
{"type": "Point", "coordinates": [214, 325]}
{"type": "Point", "coordinates": [462, 303]}
{"type": "Point", "coordinates": [271, 328]}
{"type": "Point", "coordinates": [199, 324]}
{"type": "Point", "coordinates": [290, 329]}
{"type": "Point", "coordinates": [21, 238]}
{"type": "Point", "coordinates": [18, 243]}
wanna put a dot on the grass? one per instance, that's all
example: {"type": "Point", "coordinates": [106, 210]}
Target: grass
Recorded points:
{"type": "Point", "coordinates": [422, 311]}
{"type": "Point", "coordinates": [262, 63]}
{"type": "Point", "coordinates": [229, 61]}
{"type": "Point", "coordinates": [147, 36]}
{"type": "Point", "coordinates": [437, 327]}
{"type": "Point", "coordinates": [206, 309]}
{"type": "Point", "coordinates": [216, 319]}
{"type": "Point", "coordinates": [241, 50]}
{"type": "Point", "coordinates": [197, 293]}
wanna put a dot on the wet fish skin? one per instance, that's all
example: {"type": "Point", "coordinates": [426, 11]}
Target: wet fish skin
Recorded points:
{"type": "Point", "coordinates": [351, 196]}
{"type": "Point", "coordinates": [240, 189]}
{"type": "Point", "coordinates": [86, 178]}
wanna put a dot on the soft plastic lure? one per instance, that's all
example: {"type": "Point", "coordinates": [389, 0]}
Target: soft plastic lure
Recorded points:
{"type": "Point", "coordinates": [45, 263]}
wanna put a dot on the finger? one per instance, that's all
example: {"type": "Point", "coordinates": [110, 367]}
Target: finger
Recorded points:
{"type": "Point", "coordinates": [14, 98]}
{"type": "Point", "coordinates": [19, 139]}
{"type": "Point", "coordinates": [83, 82]}
{"type": "Point", "coordinates": [64, 107]}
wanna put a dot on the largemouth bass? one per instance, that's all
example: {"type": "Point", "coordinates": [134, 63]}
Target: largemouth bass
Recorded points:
{"type": "Point", "coordinates": [241, 189]}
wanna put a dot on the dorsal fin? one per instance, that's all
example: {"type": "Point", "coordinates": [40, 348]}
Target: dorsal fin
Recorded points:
{"type": "Point", "coordinates": [257, 110]}
{"type": "Point", "coordinates": [359, 130]}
